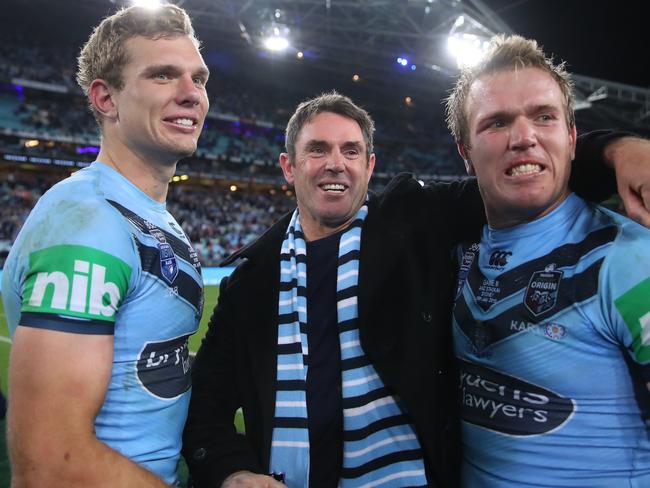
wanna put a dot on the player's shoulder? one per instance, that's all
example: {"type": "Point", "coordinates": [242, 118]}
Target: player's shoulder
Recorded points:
{"type": "Point", "coordinates": [627, 261]}
{"type": "Point", "coordinates": [76, 212]}
{"type": "Point", "coordinates": [630, 235]}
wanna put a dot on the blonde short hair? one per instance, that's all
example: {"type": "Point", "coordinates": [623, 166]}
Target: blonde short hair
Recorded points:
{"type": "Point", "coordinates": [104, 55]}
{"type": "Point", "coordinates": [505, 53]}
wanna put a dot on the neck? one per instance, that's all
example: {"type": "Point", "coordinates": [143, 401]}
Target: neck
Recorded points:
{"type": "Point", "coordinates": [504, 219]}
{"type": "Point", "coordinates": [149, 176]}
{"type": "Point", "coordinates": [317, 230]}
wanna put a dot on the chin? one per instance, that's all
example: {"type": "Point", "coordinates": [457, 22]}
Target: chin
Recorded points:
{"type": "Point", "coordinates": [183, 151]}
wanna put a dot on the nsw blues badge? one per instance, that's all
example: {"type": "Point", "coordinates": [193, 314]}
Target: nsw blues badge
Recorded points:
{"type": "Point", "coordinates": [168, 264]}
{"type": "Point", "coordinates": [541, 293]}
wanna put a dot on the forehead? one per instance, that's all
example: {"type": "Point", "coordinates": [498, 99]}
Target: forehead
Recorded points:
{"type": "Point", "coordinates": [512, 91]}
{"type": "Point", "coordinates": [178, 51]}
{"type": "Point", "coordinates": [330, 127]}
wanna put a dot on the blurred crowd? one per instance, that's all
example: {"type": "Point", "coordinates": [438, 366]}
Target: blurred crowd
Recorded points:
{"type": "Point", "coordinates": [217, 220]}
{"type": "Point", "coordinates": [44, 119]}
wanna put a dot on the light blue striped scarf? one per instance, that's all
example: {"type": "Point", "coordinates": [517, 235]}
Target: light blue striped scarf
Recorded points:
{"type": "Point", "coordinates": [380, 447]}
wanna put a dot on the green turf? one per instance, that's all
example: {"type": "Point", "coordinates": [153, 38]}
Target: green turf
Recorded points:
{"type": "Point", "coordinates": [211, 295]}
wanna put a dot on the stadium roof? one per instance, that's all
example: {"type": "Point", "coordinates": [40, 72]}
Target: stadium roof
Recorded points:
{"type": "Point", "coordinates": [365, 37]}
{"type": "Point", "coordinates": [341, 38]}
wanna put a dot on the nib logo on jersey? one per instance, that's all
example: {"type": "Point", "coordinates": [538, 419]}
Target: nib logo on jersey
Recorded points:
{"type": "Point", "coordinates": [509, 405]}
{"type": "Point", "coordinates": [76, 281]}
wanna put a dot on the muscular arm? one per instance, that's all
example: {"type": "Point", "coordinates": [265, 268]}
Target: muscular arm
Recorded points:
{"type": "Point", "coordinates": [58, 381]}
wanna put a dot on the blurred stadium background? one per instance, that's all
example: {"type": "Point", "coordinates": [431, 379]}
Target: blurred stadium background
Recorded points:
{"type": "Point", "coordinates": [391, 56]}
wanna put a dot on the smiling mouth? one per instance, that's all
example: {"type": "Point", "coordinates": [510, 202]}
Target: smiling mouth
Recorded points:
{"type": "Point", "coordinates": [525, 169]}
{"type": "Point", "coordinates": [333, 187]}
{"type": "Point", "coordinates": [183, 122]}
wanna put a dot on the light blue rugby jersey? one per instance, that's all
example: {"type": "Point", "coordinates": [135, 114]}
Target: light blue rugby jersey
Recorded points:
{"type": "Point", "coordinates": [98, 256]}
{"type": "Point", "coordinates": [552, 334]}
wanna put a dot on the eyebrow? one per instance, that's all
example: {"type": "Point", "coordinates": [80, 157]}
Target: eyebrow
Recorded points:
{"type": "Point", "coordinates": [319, 142]}
{"type": "Point", "coordinates": [170, 68]}
{"type": "Point", "coordinates": [507, 115]}
{"type": "Point", "coordinates": [353, 145]}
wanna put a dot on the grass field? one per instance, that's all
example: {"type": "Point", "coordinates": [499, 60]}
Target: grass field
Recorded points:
{"type": "Point", "coordinates": [211, 295]}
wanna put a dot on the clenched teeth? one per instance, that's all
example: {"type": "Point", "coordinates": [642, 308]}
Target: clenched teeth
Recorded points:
{"type": "Point", "coordinates": [525, 169]}
{"type": "Point", "coordinates": [333, 187]}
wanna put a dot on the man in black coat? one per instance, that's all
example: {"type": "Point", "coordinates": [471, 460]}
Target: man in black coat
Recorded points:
{"type": "Point", "coordinates": [403, 303]}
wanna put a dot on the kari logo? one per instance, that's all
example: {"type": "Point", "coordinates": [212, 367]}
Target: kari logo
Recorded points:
{"type": "Point", "coordinates": [78, 280]}
{"type": "Point", "coordinates": [499, 258]}
{"type": "Point", "coordinates": [541, 293]}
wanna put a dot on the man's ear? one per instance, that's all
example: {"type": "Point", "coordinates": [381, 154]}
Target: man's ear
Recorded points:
{"type": "Point", "coordinates": [573, 137]}
{"type": "Point", "coordinates": [101, 98]}
{"type": "Point", "coordinates": [371, 165]}
{"type": "Point", "coordinates": [464, 153]}
{"type": "Point", "coordinates": [287, 168]}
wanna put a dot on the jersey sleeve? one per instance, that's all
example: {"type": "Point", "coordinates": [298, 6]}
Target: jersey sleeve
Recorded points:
{"type": "Point", "coordinates": [625, 299]}
{"type": "Point", "coordinates": [75, 261]}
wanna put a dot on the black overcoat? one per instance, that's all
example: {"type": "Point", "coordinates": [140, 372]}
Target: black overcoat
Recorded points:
{"type": "Point", "coordinates": [405, 292]}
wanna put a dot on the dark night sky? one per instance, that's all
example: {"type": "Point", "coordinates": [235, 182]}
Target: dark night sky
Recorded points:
{"type": "Point", "coordinates": [598, 38]}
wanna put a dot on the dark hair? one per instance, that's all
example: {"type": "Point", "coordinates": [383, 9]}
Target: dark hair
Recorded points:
{"type": "Point", "coordinates": [328, 102]}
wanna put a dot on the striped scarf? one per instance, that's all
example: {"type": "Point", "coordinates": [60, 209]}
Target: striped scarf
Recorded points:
{"type": "Point", "coordinates": [380, 447]}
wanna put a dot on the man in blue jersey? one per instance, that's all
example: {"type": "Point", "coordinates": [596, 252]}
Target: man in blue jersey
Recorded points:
{"type": "Point", "coordinates": [552, 313]}
{"type": "Point", "coordinates": [102, 288]}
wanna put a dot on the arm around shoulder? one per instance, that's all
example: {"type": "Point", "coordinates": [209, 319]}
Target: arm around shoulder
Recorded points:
{"type": "Point", "coordinates": [453, 206]}
{"type": "Point", "coordinates": [607, 161]}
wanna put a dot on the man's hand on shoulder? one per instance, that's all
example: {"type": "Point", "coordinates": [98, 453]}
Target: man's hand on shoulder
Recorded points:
{"type": "Point", "coordinates": [246, 479]}
{"type": "Point", "coordinates": [630, 156]}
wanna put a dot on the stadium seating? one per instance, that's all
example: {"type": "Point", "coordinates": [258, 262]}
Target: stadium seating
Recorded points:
{"type": "Point", "coordinates": [45, 124]}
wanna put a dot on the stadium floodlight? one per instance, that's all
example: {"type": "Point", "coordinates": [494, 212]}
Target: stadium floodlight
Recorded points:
{"type": "Point", "coordinates": [277, 41]}
{"type": "Point", "coordinates": [468, 41]}
{"type": "Point", "coordinates": [152, 4]}
{"type": "Point", "coordinates": [468, 49]}
{"type": "Point", "coordinates": [402, 61]}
